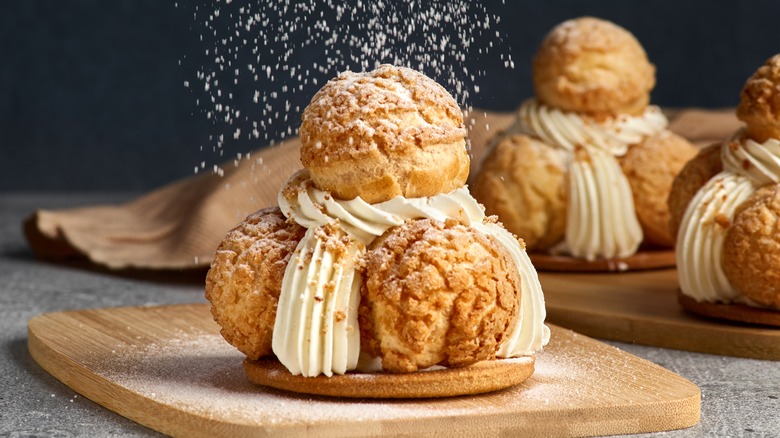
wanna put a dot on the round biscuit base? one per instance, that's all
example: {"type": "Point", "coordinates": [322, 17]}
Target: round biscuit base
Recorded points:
{"type": "Point", "coordinates": [730, 312]}
{"type": "Point", "coordinates": [485, 376]}
{"type": "Point", "coordinates": [642, 260]}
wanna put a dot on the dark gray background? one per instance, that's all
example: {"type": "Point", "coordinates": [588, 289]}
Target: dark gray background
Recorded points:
{"type": "Point", "coordinates": [92, 95]}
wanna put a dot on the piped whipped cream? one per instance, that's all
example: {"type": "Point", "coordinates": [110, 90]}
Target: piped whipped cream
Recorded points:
{"type": "Point", "coordinates": [570, 130]}
{"type": "Point", "coordinates": [758, 161]}
{"type": "Point", "coordinates": [319, 290]}
{"type": "Point", "coordinates": [702, 231]}
{"type": "Point", "coordinates": [310, 207]}
{"type": "Point", "coordinates": [600, 218]}
{"type": "Point", "coordinates": [529, 334]}
{"type": "Point", "coordinates": [301, 337]}
{"type": "Point", "coordinates": [747, 165]}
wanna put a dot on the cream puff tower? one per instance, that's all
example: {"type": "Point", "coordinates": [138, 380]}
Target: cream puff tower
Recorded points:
{"type": "Point", "coordinates": [726, 206]}
{"type": "Point", "coordinates": [377, 255]}
{"type": "Point", "coordinates": [587, 165]}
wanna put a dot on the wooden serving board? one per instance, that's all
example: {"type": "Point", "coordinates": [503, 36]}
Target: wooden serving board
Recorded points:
{"type": "Point", "coordinates": [642, 308]}
{"type": "Point", "coordinates": [169, 369]}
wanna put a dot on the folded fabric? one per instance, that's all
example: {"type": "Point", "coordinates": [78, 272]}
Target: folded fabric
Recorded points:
{"type": "Point", "coordinates": [179, 226]}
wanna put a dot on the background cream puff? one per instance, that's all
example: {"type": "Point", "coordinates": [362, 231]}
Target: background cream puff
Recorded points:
{"type": "Point", "coordinates": [592, 80]}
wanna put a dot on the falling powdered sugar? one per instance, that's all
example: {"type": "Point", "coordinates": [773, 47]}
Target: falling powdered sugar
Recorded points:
{"type": "Point", "coordinates": [262, 62]}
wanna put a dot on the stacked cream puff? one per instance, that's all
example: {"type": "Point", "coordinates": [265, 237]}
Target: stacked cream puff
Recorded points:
{"type": "Point", "coordinates": [377, 253]}
{"type": "Point", "coordinates": [726, 206]}
{"type": "Point", "coordinates": [586, 167]}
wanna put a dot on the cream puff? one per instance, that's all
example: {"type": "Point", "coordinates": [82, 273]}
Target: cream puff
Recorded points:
{"type": "Point", "coordinates": [452, 290]}
{"type": "Point", "coordinates": [406, 132]}
{"type": "Point", "coordinates": [245, 278]}
{"type": "Point", "coordinates": [595, 67]}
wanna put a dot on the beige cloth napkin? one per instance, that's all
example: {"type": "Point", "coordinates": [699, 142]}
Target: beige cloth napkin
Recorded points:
{"type": "Point", "coordinates": [178, 226]}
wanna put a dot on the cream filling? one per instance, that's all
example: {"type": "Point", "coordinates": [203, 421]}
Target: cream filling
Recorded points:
{"type": "Point", "coordinates": [529, 334]}
{"type": "Point", "coordinates": [315, 331]}
{"type": "Point", "coordinates": [310, 207]}
{"type": "Point", "coordinates": [700, 240]}
{"type": "Point", "coordinates": [320, 289]}
{"type": "Point", "coordinates": [758, 161]}
{"type": "Point", "coordinates": [747, 165]}
{"type": "Point", "coordinates": [600, 220]}
{"type": "Point", "coordinates": [568, 130]}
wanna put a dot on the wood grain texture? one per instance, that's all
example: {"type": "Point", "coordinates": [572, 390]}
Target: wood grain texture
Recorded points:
{"type": "Point", "coordinates": [642, 308]}
{"type": "Point", "coordinates": [169, 369]}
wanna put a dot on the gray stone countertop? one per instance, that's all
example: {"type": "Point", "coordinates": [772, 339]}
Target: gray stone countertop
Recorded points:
{"type": "Point", "coordinates": [740, 397]}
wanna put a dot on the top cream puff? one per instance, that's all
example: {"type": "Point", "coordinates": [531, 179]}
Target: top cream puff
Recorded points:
{"type": "Point", "coordinates": [593, 66]}
{"type": "Point", "coordinates": [759, 105]}
{"type": "Point", "coordinates": [384, 133]}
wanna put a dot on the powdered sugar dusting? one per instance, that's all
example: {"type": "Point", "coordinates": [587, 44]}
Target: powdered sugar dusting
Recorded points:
{"type": "Point", "coordinates": [203, 375]}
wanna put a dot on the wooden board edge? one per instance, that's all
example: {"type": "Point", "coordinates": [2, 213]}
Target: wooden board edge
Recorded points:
{"type": "Point", "coordinates": [114, 397]}
{"type": "Point", "coordinates": [677, 414]}
{"type": "Point", "coordinates": [728, 342]}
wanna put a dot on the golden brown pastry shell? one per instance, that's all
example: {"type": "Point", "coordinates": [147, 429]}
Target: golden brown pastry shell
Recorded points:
{"type": "Point", "coordinates": [389, 132]}
{"type": "Point", "coordinates": [759, 105]}
{"type": "Point", "coordinates": [245, 279]}
{"type": "Point", "coordinates": [593, 66]}
{"type": "Point", "coordinates": [651, 167]}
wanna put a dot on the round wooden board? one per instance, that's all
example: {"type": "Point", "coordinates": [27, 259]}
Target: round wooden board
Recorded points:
{"type": "Point", "coordinates": [642, 260]}
{"type": "Point", "coordinates": [486, 376]}
{"type": "Point", "coordinates": [731, 312]}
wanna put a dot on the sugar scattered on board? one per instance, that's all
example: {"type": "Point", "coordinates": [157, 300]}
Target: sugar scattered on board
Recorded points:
{"type": "Point", "coordinates": [200, 373]}
{"type": "Point", "coordinates": [203, 375]}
